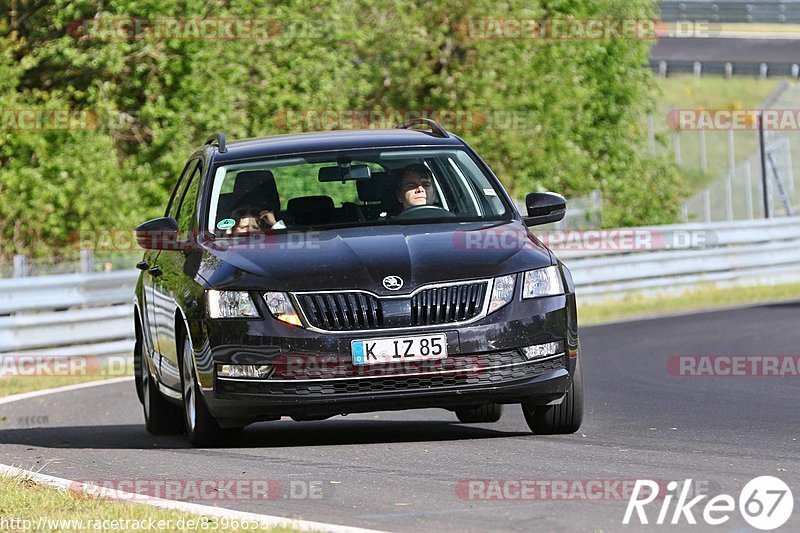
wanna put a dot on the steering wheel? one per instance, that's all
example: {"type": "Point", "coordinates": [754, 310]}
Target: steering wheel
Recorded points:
{"type": "Point", "coordinates": [424, 211]}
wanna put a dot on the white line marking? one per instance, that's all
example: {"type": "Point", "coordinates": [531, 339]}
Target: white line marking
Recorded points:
{"type": "Point", "coordinates": [65, 388]}
{"type": "Point", "coordinates": [193, 508]}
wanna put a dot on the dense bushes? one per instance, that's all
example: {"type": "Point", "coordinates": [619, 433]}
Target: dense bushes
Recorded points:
{"type": "Point", "coordinates": [563, 115]}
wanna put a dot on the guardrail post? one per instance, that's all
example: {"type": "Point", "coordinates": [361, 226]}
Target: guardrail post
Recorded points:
{"type": "Point", "coordinates": [728, 70]}
{"type": "Point", "coordinates": [762, 71]}
{"type": "Point", "coordinates": [703, 153]}
{"type": "Point", "coordinates": [87, 261]}
{"type": "Point", "coordinates": [748, 188]}
{"type": "Point", "coordinates": [795, 70]}
{"type": "Point", "coordinates": [698, 69]}
{"type": "Point", "coordinates": [20, 266]}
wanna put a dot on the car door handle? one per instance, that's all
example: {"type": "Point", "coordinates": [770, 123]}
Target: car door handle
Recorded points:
{"type": "Point", "coordinates": [142, 265]}
{"type": "Point", "coordinates": [155, 271]}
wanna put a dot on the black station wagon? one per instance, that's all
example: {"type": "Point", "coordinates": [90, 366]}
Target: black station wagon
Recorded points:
{"type": "Point", "coordinates": [320, 274]}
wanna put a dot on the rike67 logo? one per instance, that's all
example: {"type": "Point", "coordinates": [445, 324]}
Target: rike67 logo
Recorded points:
{"type": "Point", "coordinates": [765, 503]}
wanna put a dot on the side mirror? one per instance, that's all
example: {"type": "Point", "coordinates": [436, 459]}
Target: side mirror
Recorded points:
{"type": "Point", "coordinates": [544, 207]}
{"type": "Point", "coordinates": [158, 234]}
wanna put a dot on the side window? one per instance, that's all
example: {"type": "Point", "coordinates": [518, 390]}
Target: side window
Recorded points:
{"type": "Point", "coordinates": [180, 188]}
{"type": "Point", "coordinates": [188, 201]}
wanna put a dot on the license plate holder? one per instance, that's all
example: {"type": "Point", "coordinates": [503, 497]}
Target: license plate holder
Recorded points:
{"type": "Point", "coordinates": [401, 348]}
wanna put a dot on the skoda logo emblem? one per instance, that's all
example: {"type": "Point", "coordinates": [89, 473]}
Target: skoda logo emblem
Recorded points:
{"type": "Point", "coordinates": [393, 283]}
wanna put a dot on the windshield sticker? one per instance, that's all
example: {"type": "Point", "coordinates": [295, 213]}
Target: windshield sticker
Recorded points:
{"type": "Point", "coordinates": [226, 223]}
{"type": "Point", "coordinates": [489, 192]}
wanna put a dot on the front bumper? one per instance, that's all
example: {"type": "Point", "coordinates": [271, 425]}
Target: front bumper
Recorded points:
{"type": "Point", "coordinates": [489, 366]}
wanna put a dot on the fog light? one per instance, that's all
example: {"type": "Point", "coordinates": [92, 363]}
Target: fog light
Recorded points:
{"type": "Point", "coordinates": [543, 350]}
{"type": "Point", "coordinates": [244, 371]}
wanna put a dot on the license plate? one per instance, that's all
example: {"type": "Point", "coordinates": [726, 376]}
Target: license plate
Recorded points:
{"type": "Point", "coordinates": [393, 349]}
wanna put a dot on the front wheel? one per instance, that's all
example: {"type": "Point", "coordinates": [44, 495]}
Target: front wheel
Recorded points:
{"type": "Point", "coordinates": [559, 419]}
{"type": "Point", "coordinates": [202, 428]}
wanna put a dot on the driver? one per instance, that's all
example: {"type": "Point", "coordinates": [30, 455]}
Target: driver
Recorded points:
{"type": "Point", "coordinates": [415, 187]}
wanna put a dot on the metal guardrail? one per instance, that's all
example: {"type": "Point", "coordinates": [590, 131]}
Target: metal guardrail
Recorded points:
{"type": "Point", "coordinates": [91, 314]}
{"type": "Point", "coordinates": [741, 253]}
{"type": "Point", "coordinates": [765, 11]}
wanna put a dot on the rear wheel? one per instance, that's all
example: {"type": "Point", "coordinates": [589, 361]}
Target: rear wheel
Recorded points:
{"type": "Point", "coordinates": [202, 428]}
{"type": "Point", "coordinates": [491, 412]}
{"type": "Point", "coordinates": [559, 419]}
{"type": "Point", "coordinates": [160, 416]}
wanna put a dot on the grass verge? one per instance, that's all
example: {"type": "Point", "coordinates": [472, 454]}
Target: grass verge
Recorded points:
{"type": "Point", "coordinates": [27, 506]}
{"type": "Point", "coordinates": [706, 297]}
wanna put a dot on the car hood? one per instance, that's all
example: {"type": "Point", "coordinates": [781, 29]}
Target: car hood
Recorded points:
{"type": "Point", "coordinates": [361, 257]}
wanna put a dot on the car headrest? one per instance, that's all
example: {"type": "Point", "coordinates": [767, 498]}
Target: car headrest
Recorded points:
{"type": "Point", "coordinates": [376, 188]}
{"type": "Point", "coordinates": [310, 205]}
{"type": "Point", "coordinates": [257, 188]}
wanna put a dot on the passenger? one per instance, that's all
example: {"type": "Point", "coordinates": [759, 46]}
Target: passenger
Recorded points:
{"type": "Point", "coordinates": [250, 219]}
{"type": "Point", "coordinates": [415, 187]}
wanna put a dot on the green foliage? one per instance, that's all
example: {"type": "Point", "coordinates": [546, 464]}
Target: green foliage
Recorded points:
{"type": "Point", "coordinates": [576, 105]}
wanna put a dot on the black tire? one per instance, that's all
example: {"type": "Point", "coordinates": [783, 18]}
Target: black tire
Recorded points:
{"type": "Point", "coordinates": [160, 416]}
{"type": "Point", "coordinates": [200, 425]}
{"type": "Point", "coordinates": [491, 412]}
{"type": "Point", "coordinates": [559, 419]}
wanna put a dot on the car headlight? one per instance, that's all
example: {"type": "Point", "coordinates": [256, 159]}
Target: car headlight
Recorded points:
{"type": "Point", "coordinates": [282, 308]}
{"type": "Point", "coordinates": [502, 292]}
{"type": "Point", "coordinates": [542, 282]}
{"type": "Point", "coordinates": [231, 304]}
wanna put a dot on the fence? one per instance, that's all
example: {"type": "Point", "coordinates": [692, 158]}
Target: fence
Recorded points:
{"type": "Point", "coordinates": [91, 314]}
{"type": "Point", "coordinates": [733, 157]}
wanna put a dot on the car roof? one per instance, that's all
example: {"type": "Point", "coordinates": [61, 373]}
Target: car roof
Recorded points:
{"type": "Point", "coordinates": [330, 141]}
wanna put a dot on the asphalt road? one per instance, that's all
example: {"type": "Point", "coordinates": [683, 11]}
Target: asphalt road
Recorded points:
{"type": "Point", "coordinates": [400, 471]}
{"type": "Point", "coordinates": [716, 49]}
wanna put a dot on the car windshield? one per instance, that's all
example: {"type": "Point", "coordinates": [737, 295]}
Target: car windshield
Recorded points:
{"type": "Point", "coordinates": [358, 188]}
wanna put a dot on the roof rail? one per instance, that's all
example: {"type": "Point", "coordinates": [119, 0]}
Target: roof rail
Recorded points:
{"type": "Point", "coordinates": [436, 128]}
{"type": "Point", "coordinates": [219, 139]}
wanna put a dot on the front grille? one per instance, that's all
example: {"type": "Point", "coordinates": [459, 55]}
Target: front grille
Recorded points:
{"type": "Point", "coordinates": [342, 311]}
{"type": "Point", "coordinates": [441, 305]}
{"type": "Point", "coordinates": [351, 311]}
{"type": "Point", "coordinates": [306, 388]}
